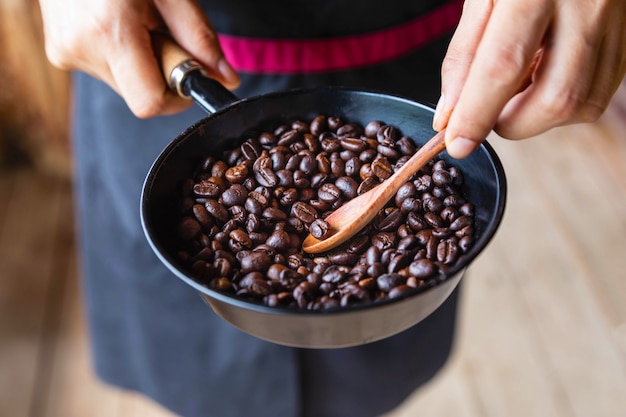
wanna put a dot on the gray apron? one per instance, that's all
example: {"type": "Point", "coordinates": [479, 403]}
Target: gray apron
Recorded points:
{"type": "Point", "coordinates": [153, 334]}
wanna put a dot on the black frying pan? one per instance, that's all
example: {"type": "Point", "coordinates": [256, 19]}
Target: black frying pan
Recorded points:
{"type": "Point", "coordinates": [229, 119]}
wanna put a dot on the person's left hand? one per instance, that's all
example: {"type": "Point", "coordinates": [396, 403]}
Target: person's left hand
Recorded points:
{"type": "Point", "coordinates": [582, 63]}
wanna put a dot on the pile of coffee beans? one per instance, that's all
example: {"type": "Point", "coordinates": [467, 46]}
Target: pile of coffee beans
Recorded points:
{"type": "Point", "coordinates": [245, 214]}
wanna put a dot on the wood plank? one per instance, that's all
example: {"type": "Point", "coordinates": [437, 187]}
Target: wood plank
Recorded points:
{"type": "Point", "coordinates": [26, 239]}
{"type": "Point", "coordinates": [73, 388]}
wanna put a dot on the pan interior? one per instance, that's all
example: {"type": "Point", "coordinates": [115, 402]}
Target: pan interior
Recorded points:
{"type": "Point", "coordinates": [485, 182]}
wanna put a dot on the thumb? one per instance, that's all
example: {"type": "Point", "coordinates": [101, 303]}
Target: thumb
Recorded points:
{"type": "Point", "coordinates": [191, 28]}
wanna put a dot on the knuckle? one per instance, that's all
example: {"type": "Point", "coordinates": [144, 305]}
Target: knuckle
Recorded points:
{"type": "Point", "coordinates": [592, 111]}
{"type": "Point", "coordinates": [561, 105]}
{"type": "Point", "coordinates": [206, 40]}
{"type": "Point", "coordinates": [506, 68]}
{"type": "Point", "coordinates": [148, 107]}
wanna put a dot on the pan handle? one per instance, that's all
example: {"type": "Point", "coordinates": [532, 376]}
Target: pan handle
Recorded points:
{"type": "Point", "coordinates": [187, 77]}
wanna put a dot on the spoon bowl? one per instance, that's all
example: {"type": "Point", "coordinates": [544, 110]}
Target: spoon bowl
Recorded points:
{"type": "Point", "coordinates": [354, 215]}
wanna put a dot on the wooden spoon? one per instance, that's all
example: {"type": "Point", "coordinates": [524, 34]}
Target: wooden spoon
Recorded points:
{"type": "Point", "coordinates": [354, 215]}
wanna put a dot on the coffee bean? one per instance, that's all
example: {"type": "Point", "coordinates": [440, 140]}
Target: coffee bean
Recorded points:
{"type": "Point", "coordinates": [207, 188]}
{"type": "Point", "coordinates": [319, 229]}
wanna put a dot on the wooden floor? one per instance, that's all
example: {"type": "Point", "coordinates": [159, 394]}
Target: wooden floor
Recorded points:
{"type": "Point", "coordinates": [543, 318]}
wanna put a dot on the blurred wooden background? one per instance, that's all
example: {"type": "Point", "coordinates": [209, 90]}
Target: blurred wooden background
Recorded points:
{"type": "Point", "coordinates": [34, 98]}
{"type": "Point", "coordinates": [542, 328]}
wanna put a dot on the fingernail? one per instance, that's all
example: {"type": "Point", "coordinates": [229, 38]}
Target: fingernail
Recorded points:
{"type": "Point", "coordinates": [227, 72]}
{"type": "Point", "coordinates": [437, 119]}
{"type": "Point", "coordinates": [461, 147]}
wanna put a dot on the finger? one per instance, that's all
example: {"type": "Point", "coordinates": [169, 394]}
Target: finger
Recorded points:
{"type": "Point", "coordinates": [513, 35]}
{"type": "Point", "coordinates": [610, 69]}
{"type": "Point", "coordinates": [191, 28]}
{"type": "Point", "coordinates": [459, 57]}
{"type": "Point", "coordinates": [563, 83]}
{"type": "Point", "coordinates": [138, 76]}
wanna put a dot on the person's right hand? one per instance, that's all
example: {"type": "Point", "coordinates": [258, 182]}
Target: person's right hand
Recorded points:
{"type": "Point", "coordinates": [111, 40]}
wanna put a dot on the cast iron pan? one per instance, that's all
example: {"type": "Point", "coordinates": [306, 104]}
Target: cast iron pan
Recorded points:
{"type": "Point", "coordinates": [229, 120]}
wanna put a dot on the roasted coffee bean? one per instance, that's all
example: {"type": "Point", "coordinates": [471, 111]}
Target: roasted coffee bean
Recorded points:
{"type": "Point", "coordinates": [467, 209]}
{"type": "Point", "coordinates": [334, 123]}
{"type": "Point", "coordinates": [466, 231]}
{"type": "Point", "coordinates": [335, 274]}
{"type": "Point", "coordinates": [251, 149]}
{"type": "Point", "coordinates": [236, 194]}
{"type": "Point", "coordinates": [330, 145]}
{"type": "Point", "coordinates": [366, 185]}
{"type": "Point", "coordinates": [422, 268]}
{"type": "Point", "coordinates": [241, 238]}
{"type": "Point", "coordinates": [218, 169]}
{"type": "Point", "coordinates": [319, 229]}
{"type": "Point", "coordinates": [387, 282]}
{"type": "Point", "coordinates": [406, 146]}
{"type": "Point", "coordinates": [255, 284]}
{"type": "Point", "coordinates": [387, 133]}
{"type": "Point", "coordinates": [308, 164]}
{"type": "Point", "coordinates": [381, 167]}
{"type": "Point", "coordinates": [352, 167]}
{"type": "Point", "coordinates": [405, 191]}
{"type": "Point", "coordinates": [449, 214]}
{"type": "Point", "coordinates": [350, 129]}
{"type": "Point", "coordinates": [300, 125]}
{"type": "Point", "coordinates": [304, 212]}
{"type": "Point", "coordinates": [398, 291]}
{"type": "Point", "coordinates": [238, 214]}
{"type": "Point", "coordinates": [318, 125]}
{"type": "Point", "coordinates": [407, 243]}
{"type": "Point", "coordinates": [391, 222]}
{"type": "Point", "coordinates": [432, 204]}
{"type": "Point", "coordinates": [289, 137]}
{"type": "Point", "coordinates": [368, 155]}
{"type": "Point", "coordinates": [348, 186]}
{"type": "Point", "coordinates": [441, 177]}
{"type": "Point", "coordinates": [217, 210]}
{"type": "Point", "coordinates": [343, 258]}
{"type": "Point", "coordinates": [301, 179]}
{"type": "Point", "coordinates": [263, 172]}
{"type": "Point", "coordinates": [465, 243]}
{"type": "Point", "coordinates": [447, 251]}
{"type": "Point", "coordinates": [384, 240]}
{"type": "Point", "coordinates": [461, 222]}
{"type": "Point", "coordinates": [222, 267]}
{"type": "Point", "coordinates": [372, 128]}
{"type": "Point", "coordinates": [279, 240]}
{"type": "Point", "coordinates": [207, 188]}
{"type": "Point", "coordinates": [353, 144]}
{"type": "Point", "coordinates": [453, 200]}
{"type": "Point", "coordinates": [285, 178]}
{"type": "Point", "coordinates": [303, 293]}
{"type": "Point", "coordinates": [358, 244]}
{"type": "Point", "coordinates": [433, 220]}
{"type": "Point", "coordinates": [398, 261]}
{"type": "Point", "coordinates": [255, 261]}
{"type": "Point", "coordinates": [274, 215]}
{"type": "Point", "coordinates": [411, 205]}
{"type": "Point", "coordinates": [202, 215]}
{"type": "Point", "coordinates": [423, 183]}
{"type": "Point", "coordinates": [337, 165]}
{"type": "Point", "coordinates": [329, 192]}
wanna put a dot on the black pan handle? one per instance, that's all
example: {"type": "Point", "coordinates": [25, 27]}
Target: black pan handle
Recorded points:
{"type": "Point", "coordinates": [187, 77]}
